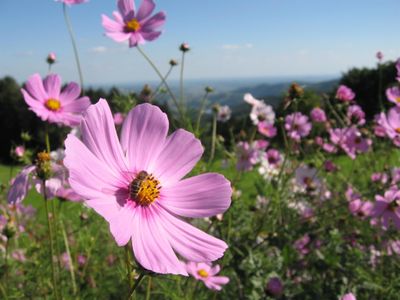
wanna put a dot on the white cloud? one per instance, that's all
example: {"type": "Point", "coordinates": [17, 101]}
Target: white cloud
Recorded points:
{"type": "Point", "coordinates": [98, 49]}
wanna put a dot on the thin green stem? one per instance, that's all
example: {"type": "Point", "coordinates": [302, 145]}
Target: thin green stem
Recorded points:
{"type": "Point", "coordinates": [50, 233]}
{"type": "Point", "coordinates": [128, 266]}
{"type": "Point", "coordinates": [380, 86]}
{"type": "Point", "coordinates": [3, 291]}
{"type": "Point", "coordinates": [71, 265]}
{"type": "Point", "coordinates": [213, 137]}
{"type": "Point", "coordinates": [158, 88]}
{"type": "Point", "coordinates": [147, 58]}
{"type": "Point", "coordinates": [137, 282]}
{"type": "Point", "coordinates": [6, 260]}
{"type": "Point", "coordinates": [182, 101]}
{"type": "Point", "coordinates": [47, 139]}
{"type": "Point", "coordinates": [148, 290]}
{"type": "Point", "coordinates": [71, 34]}
{"type": "Point", "coordinates": [201, 112]}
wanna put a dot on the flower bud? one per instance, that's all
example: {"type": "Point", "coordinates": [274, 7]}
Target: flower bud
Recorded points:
{"type": "Point", "coordinates": [43, 165]}
{"type": "Point", "coordinates": [184, 47]}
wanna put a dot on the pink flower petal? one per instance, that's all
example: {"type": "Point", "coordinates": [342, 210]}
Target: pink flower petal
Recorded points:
{"type": "Point", "coordinates": [155, 21]}
{"type": "Point", "coordinates": [100, 136]}
{"type": "Point", "coordinates": [150, 244]}
{"type": "Point", "coordinates": [142, 137]}
{"type": "Point", "coordinates": [52, 84]}
{"type": "Point", "coordinates": [122, 224]}
{"type": "Point", "coordinates": [77, 106]}
{"type": "Point", "coordinates": [19, 188]}
{"type": "Point", "coordinates": [180, 153]}
{"type": "Point", "coordinates": [145, 9]}
{"type": "Point", "coordinates": [34, 86]}
{"type": "Point", "coordinates": [190, 242]}
{"type": "Point", "coordinates": [33, 104]}
{"type": "Point", "coordinates": [126, 7]}
{"type": "Point", "coordinates": [92, 179]}
{"type": "Point", "coordinates": [70, 92]}
{"type": "Point", "coordinates": [197, 197]}
{"type": "Point", "coordinates": [111, 25]}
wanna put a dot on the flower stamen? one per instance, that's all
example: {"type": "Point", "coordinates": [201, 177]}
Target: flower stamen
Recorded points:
{"type": "Point", "coordinates": [53, 104]}
{"type": "Point", "coordinates": [202, 273]}
{"type": "Point", "coordinates": [144, 189]}
{"type": "Point", "coordinates": [133, 25]}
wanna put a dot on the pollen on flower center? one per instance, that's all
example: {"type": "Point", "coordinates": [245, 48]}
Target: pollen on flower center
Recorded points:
{"type": "Point", "coordinates": [397, 130]}
{"type": "Point", "coordinates": [398, 99]}
{"type": "Point", "coordinates": [202, 273]}
{"type": "Point", "coordinates": [133, 25]}
{"type": "Point", "coordinates": [144, 189]}
{"type": "Point", "coordinates": [53, 104]}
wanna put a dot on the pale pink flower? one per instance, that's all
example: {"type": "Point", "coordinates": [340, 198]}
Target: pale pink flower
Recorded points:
{"type": "Point", "coordinates": [247, 156]}
{"type": "Point", "coordinates": [224, 113]}
{"type": "Point", "coordinates": [354, 143]}
{"type": "Point", "coordinates": [267, 129]}
{"type": "Point", "coordinates": [206, 273]}
{"type": "Point", "coordinates": [82, 259]}
{"type": "Point", "coordinates": [318, 115]}
{"type": "Point", "coordinates": [65, 261]}
{"type": "Point", "coordinates": [301, 245]}
{"type": "Point", "coordinates": [136, 185]}
{"type": "Point", "coordinates": [273, 156]}
{"type": "Point", "coordinates": [136, 26]}
{"type": "Point", "coordinates": [19, 255]}
{"type": "Point", "coordinates": [48, 102]}
{"type": "Point", "coordinates": [118, 118]}
{"type": "Point", "coordinates": [387, 209]}
{"type": "Point", "coordinates": [51, 58]}
{"type": "Point", "coordinates": [349, 296]}
{"type": "Point", "coordinates": [344, 93]}
{"type": "Point", "coordinates": [259, 111]}
{"type": "Point", "coordinates": [297, 126]}
{"type": "Point", "coordinates": [306, 177]}
{"type": "Point", "coordinates": [390, 123]}
{"type": "Point", "coordinates": [393, 95]}
{"type": "Point", "coordinates": [19, 151]}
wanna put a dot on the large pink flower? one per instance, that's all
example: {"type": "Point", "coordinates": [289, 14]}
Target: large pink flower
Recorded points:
{"type": "Point", "coordinates": [137, 27]}
{"type": "Point", "coordinates": [136, 184]}
{"type": "Point", "coordinates": [204, 272]}
{"type": "Point", "coordinates": [48, 102]}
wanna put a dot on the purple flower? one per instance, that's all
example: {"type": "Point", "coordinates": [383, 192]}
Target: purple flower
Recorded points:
{"type": "Point", "coordinates": [390, 123]}
{"type": "Point", "coordinates": [301, 244]}
{"type": "Point", "coordinates": [118, 118]}
{"type": "Point", "coordinates": [344, 93]}
{"type": "Point", "coordinates": [48, 102]}
{"type": "Point", "coordinates": [206, 273]}
{"type": "Point", "coordinates": [379, 56]}
{"type": "Point", "coordinates": [387, 208]}
{"type": "Point", "coordinates": [297, 126]}
{"type": "Point", "coordinates": [274, 287]}
{"type": "Point", "coordinates": [273, 157]}
{"type": "Point", "coordinates": [354, 143]}
{"type": "Point", "coordinates": [19, 151]}
{"type": "Point", "coordinates": [318, 115]}
{"type": "Point", "coordinates": [135, 26]}
{"type": "Point", "coordinates": [393, 95]}
{"type": "Point", "coordinates": [355, 115]}
{"type": "Point", "coordinates": [348, 296]}
{"type": "Point", "coordinates": [71, 2]}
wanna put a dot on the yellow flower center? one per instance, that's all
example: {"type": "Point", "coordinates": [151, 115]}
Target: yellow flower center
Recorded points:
{"type": "Point", "coordinates": [398, 99]}
{"type": "Point", "coordinates": [53, 104]}
{"type": "Point", "coordinates": [202, 273]}
{"type": "Point", "coordinates": [144, 189]}
{"type": "Point", "coordinates": [397, 130]}
{"type": "Point", "coordinates": [133, 25]}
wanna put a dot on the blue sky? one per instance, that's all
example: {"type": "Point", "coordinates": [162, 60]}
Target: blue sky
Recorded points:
{"type": "Point", "coordinates": [229, 39]}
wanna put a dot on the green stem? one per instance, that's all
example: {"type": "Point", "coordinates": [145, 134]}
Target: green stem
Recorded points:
{"type": "Point", "coordinates": [50, 233]}
{"type": "Point", "coordinates": [3, 291]}
{"type": "Point", "coordinates": [180, 111]}
{"type": "Point", "coordinates": [181, 79]}
{"type": "Point", "coordinates": [201, 112]}
{"type": "Point", "coordinates": [135, 285]}
{"type": "Point", "coordinates": [158, 88]}
{"type": "Point", "coordinates": [71, 265]}
{"type": "Point", "coordinates": [6, 260]}
{"type": "Point", "coordinates": [213, 137]}
{"type": "Point", "coordinates": [380, 86]}
{"type": "Point", "coordinates": [148, 291]}
{"type": "Point", "coordinates": [71, 34]}
{"type": "Point", "coordinates": [128, 265]}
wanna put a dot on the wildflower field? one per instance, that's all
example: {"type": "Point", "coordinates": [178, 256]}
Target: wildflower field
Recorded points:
{"type": "Point", "coordinates": [113, 195]}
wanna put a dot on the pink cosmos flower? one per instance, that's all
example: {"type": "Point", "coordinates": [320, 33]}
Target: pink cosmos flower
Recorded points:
{"type": "Point", "coordinates": [393, 95]}
{"type": "Point", "coordinates": [224, 113]}
{"type": "Point", "coordinates": [19, 151]}
{"type": "Point", "coordinates": [398, 69]}
{"type": "Point", "coordinates": [273, 156]}
{"type": "Point", "coordinates": [259, 111]}
{"type": "Point", "coordinates": [267, 129]}
{"type": "Point", "coordinates": [51, 104]}
{"type": "Point", "coordinates": [136, 185]}
{"type": "Point", "coordinates": [135, 26]}
{"type": "Point", "coordinates": [306, 177]}
{"type": "Point", "coordinates": [355, 115]}
{"type": "Point", "coordinates": [119, 118]}
{"type": "Point", "coordinates": [247, 156]}
{"type": "Point", "coordinates": [354, 143]}
{"type": "Point", "coordinates": [206, 273]}
{"type": "Point", "coordinates": [344, 93]}
{"type": "Point", "coordinates": [301, 245]}
{"type": "Point", "coordinates": [318, 115]}
{"type": "Point", "coordinates": [71, 2]}
{"type": "Point", "coordinates": [390, 123]}
{"type": "Point", "coordinates": [387, 208]}
{"type": "Point", "coordinates": [349, 296]}
{"type": "Point", "coordinates": [297, 126]}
